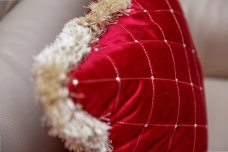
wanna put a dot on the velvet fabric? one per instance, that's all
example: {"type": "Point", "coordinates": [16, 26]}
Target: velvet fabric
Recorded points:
{"type": "Point", "coordinates": [143, 77]}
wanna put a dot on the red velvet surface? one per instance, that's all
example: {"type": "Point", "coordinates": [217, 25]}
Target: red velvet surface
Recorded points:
{"type": "Point", "coordinates": [146, 115]}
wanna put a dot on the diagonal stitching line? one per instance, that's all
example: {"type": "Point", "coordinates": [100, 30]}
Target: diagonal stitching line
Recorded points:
{"type": "Point", "coordinates": [118, 81]}
{"type": "Point", "coordinates": [139, 78]}
{"type": "Point", "coordinates": [187, 59]}
{"type": "Point", "coordinates": [152, 81]}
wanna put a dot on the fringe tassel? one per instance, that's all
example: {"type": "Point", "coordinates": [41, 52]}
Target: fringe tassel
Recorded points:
{"type": "Point", "coordinates": [80, 131]}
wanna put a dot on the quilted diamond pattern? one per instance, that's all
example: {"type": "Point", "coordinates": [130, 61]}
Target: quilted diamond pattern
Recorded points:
{"type": "Point", "coordinates": [144, 78]}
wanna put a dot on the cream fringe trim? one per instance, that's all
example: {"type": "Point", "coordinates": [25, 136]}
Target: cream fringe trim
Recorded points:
{"type": "Point", "coordinates": [80, 131]}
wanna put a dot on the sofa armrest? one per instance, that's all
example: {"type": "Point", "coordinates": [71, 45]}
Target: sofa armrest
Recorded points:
{"type": "Point", "coordinates": [208, 23]}
{"type": "Point", "coordinates": [24, 32]}
{"type": "Point", "coordinates": [217, 103]}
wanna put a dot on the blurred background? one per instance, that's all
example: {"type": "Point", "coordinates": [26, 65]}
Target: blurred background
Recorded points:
{"type": "Point", "coordinates": [27, 26]}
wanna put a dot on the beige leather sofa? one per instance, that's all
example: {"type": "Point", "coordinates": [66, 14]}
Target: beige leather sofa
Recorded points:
{"type": "Point", "coordinates": [31, 25]}
{"type": "Point", "coordinates": [24, 31]}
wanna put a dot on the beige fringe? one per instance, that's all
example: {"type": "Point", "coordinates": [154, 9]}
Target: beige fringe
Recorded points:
{"type": "Point", "coordinates": [80, 131]}
{"type": "Point", "coordinates": [102, 14]}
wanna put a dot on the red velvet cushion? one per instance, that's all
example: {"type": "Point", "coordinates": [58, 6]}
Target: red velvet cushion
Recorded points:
{"type": "Point", "coordinates": [144, 78]}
